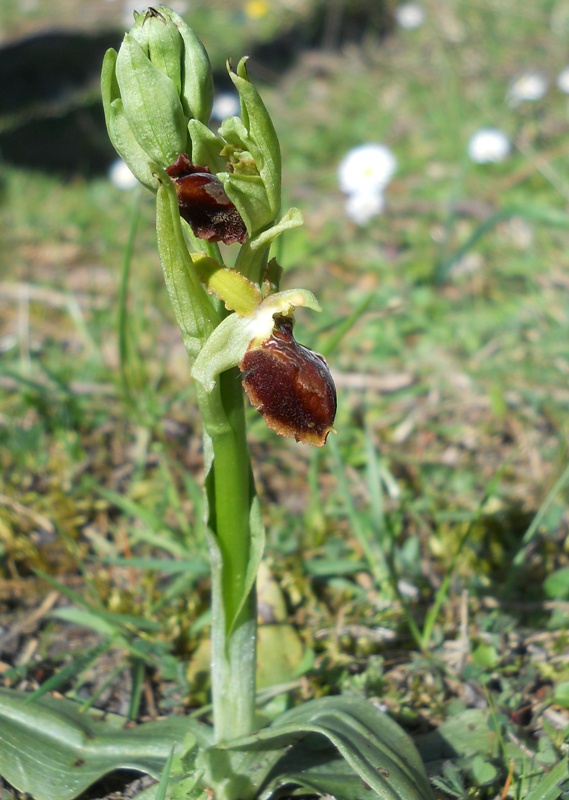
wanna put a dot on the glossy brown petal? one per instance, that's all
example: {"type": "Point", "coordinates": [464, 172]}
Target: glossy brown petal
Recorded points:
{"type": "Point", "coordinates": [204, 203]}
{"type": "Point", "coordinates": [290, 386]}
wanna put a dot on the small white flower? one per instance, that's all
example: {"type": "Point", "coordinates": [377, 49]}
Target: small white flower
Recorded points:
{"type": "Point", "coordinates": [528, 87]}
{"type": "Point", "coordinates": [121, 176]}
{"type": "Point", "coordinates": [366, 169]}
{"type": "Point", "coordinates": [410, 16]}
{"type": "Point", "coordinates": [488, 145]}
{"type": "Point", "coordinates": [226, 104]}
{"type": "Point", "coordinates": [363, 206]}
{"type": "Point", "coordinates": [563, 80]}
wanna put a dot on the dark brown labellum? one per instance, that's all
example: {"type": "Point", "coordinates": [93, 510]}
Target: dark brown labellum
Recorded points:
{"type": "Point", "coordinates": [290, 386]}
{"type": "Point", "coordinates": [204, 203]}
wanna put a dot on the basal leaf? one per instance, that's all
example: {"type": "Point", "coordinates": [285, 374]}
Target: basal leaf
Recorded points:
{"type": "Point", "coordinates": [305, 747]}
{"type": "Point", "coordinates": [52, 751]}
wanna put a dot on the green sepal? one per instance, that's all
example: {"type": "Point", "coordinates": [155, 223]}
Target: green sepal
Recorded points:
{"type": "Point", "coordinates": [292, 219]}
{"type": "Point", "coordinates": [120, 132]}
{"type": "Point", "coordinates": [249, 195]}
{"type": "Point", "coordinates": [231, 339]}
{"type": "Point", "coordinates": [197, 77]}
{"type": "Point", "coordinates": [193, 309]}
{"type": "Point", "coordinates": [161, 42]}
{"type": "Point", "coordinates": [255, 134]}
{"type": "Point", "coordinates": [206, 146]}
{"type": "Point", "coordinates": [224, 349]}
{"type": "Point", "coordinates": [151, 104]}
{"type": "Point", "coordinates": [262, 134]}
{"type": "Point", "coordinates": [230, 286]}
{"type": "Point", "coordinates": [252, 257]}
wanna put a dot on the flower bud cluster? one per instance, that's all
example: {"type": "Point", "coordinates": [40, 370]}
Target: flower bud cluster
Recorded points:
{"type": "Point", "coordinates": [158, 81]}
{"type": "Point", "coordinates": [157, 96]}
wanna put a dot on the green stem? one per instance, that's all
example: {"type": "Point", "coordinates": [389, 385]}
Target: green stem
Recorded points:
{"type": "Point", "coordinates": [231, 492]}
{"type": "Point", "coordinates": [234, 524]}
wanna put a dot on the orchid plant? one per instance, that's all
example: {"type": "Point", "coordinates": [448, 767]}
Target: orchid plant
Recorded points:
{"type": "Point", "coordinates": [237, 327]}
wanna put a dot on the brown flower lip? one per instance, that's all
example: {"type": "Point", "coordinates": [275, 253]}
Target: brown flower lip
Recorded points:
{"type": "Point", "coordinates": [290, 386]}
{"type": "Point", "coordinates": [204, 203]}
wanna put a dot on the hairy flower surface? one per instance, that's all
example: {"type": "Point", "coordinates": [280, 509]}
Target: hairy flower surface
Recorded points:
{"type": "Point", "coordinates": [204, 203]}
{"type": "Point", "coordinates": [366, 168]}
{"type": "Point", "coordinates": [488, 145]}
{"type": "Point", "coordinates": [290, 386]}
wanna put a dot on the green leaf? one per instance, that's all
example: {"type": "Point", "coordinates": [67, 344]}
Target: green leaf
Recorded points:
{"type": "Point", "coordinates": [52, 751]}
{"type": "Point", "coordinates": [483, 771]}
{"type": "Point", "coordinates": [252, 257]}
{"type": "Point", "coordinates": [279, 654]}
{"type": "Point", "coordinates": [292, 219]}
{"type": "Point", "coordinates": [561, 694]}
{"type": "Point", "coordinates": [556, 585]}
{"type": "Point", "coordinates": [486, 656]}
{"type": "Point", "coordinates": [463, 735]}
{"type": "Point", "coordinates": [553, 784]}
{"type": "Point", "coordinates": [194, 312]}
{"type": "Point", "coordinates": [338, 745]}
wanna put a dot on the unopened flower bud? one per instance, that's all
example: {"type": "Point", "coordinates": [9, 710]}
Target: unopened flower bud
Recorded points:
{"type": "Point", "coordinates": [204, 203]}
{"type": "Point", "coordinates": [160, 80]}
{"type": "Point", "coordinates": [290, 385]}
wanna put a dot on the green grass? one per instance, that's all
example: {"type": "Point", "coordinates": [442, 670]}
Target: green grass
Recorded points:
{"type": "Point", "coordinates": [398, 548]}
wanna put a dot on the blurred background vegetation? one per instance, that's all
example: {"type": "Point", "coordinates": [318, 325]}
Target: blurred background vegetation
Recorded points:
{"type": "Point", "coordinates": [422, 557]}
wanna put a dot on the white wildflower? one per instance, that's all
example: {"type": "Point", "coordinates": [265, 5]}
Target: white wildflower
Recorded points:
{"type": "Point", "coordinates": [121, 176]}
{"type": "Point", "coordinates": [563, 80]}
{"type": "Point", "coordinates": [363, 206]}
{"type": "Point", "coordinates": [226, 104]}
{"type": "Point", "coordinates": [409, 16]}
{"type": "Point", "coordinates": [488, 145]}
{"type": "Point", "coordinates": [528, 87]}
{"type": "Point", "coordinates": [366, 169]}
